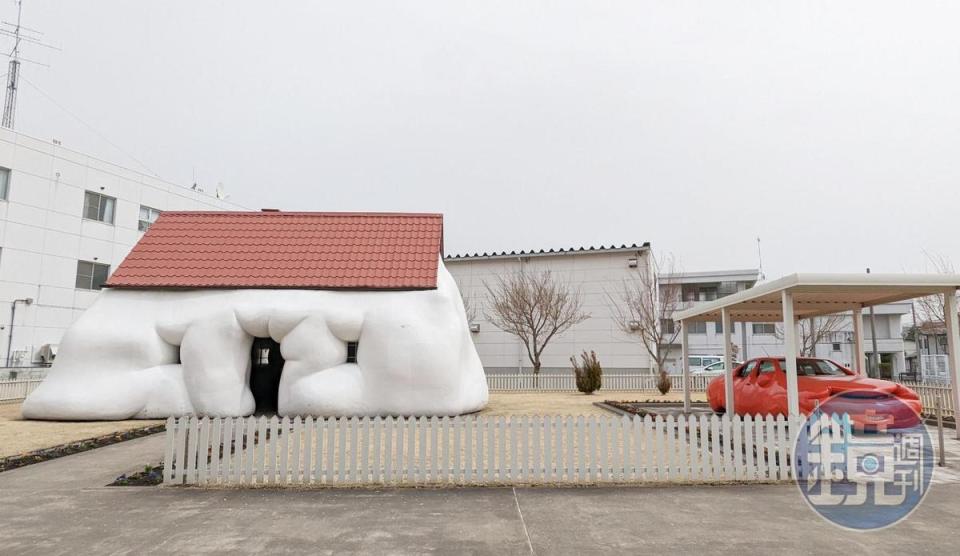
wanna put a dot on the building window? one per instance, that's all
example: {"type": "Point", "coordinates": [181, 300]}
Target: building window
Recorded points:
{"type": "Point", "coordinates": [764, 328]}
{"type": "Point", "coordinates": [148, 215]}
{"type": "Point", "coordinates": [352, 352]}
{"type": "Point", "coordinates": [698, 327]}
{"type": "Point", "coordinates": [91, 276]}
{"type": "Point", "coordinates": [836, 347]}
{"type": "Point", "coordinates": [708, 294]}
{"type": "Point", "coordinates": [98, 207]}
{"type": "Point", "coordinates": [263, 357]}
{"type": "Point", "coordinates": [667, 326]}
{"type": "Point", "coordinates": [4, 183]}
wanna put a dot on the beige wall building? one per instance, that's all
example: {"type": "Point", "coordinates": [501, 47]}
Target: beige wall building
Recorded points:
{"type": "Point", "coordinates": [596, 271]}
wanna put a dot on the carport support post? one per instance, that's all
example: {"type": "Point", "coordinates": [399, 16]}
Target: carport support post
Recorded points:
{"type": "Point", "coordinates": [953, 346]}
{"type": "Point", "coordinates": [790, 353]}
{"type": "Point", "coordinates": [728, 399]}
{"type": "Point", "coordinates": [685, 364]}
{"type": "Point", "coordinates": [858, 354]}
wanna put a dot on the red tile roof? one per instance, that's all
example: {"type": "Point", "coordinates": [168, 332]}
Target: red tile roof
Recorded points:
{"type": "Point", "coordinates": [305, 250]}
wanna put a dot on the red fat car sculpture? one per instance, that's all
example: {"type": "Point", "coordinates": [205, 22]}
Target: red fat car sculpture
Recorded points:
{"type": "Point", "coordinates": [760, 388]}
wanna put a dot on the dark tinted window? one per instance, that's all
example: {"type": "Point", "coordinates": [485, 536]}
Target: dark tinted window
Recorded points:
{"type": "Point", "coordinates": [767, 367]}
{"type": "Point", "coordinates": [748, 368]}
{"type": "Point", "coordinates": [815, 367]}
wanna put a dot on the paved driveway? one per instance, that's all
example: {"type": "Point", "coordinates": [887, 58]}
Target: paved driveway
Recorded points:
{"type": "Point", "coordinates": [61, 507]}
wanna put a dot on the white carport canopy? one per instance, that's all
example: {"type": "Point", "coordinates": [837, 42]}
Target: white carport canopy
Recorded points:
{"type": "Point", "coordinates": [801, 296]}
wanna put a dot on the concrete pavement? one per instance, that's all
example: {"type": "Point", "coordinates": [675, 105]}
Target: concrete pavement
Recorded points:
{"type": "Point", "coordinates": [62, 507]}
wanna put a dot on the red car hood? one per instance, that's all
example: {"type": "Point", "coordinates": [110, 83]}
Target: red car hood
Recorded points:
{"type": "Point", "coordinates": [844, 383]}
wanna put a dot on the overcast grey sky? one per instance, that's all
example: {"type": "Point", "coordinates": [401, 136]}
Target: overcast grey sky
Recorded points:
{"type": "Point", "coordinates": [830, 129]}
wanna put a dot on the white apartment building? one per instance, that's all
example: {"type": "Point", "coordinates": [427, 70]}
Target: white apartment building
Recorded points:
{"type": "Point", "coordinates": [66, 220]}
{"type": "Point", "coordinates": [595, 271]}
{"type": "Point", "coordinates": [760, 339]}
{"type": "Point", "coordinates": [697, 287]}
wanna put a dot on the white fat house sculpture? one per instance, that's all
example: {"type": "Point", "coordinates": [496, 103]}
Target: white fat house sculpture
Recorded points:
{"type": "Point", "coordinates": [236, 313]}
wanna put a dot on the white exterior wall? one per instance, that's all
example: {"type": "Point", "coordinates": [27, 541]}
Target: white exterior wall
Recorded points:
{"type": "Point", "coordinates": [594, 273]}
{"type": "Point", "coordinates": [43, 233]}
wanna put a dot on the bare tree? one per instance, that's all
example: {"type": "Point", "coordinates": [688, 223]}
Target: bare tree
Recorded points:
{"type": "Point", "coordinates": [469, 307]}
{"type": "Point", "coordinates": [817, 330]}
{"type": "Point", "coordinates": [533, 307]}
{"type": "Point", "coordinates": [931, 308]}
{"type": "Point", "coordinates": [644, 309]}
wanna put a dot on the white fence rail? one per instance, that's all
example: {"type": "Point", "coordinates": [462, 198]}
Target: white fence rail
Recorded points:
{"type": "Point", "coordinates": [567, 383]}
{"type": "Point", "coordinates": [929, 395]}
{"type": "Point", "coordinates": [12, 391]}
{"type": "Point", "coordinates": [474, 450]}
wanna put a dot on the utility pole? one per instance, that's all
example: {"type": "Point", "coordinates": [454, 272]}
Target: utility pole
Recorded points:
{"type": "Point", "coordinates": [874, 356]}
{"type": "Point", "coordinates": [916, 341]}
{"type": "Point", "coordinates": [13, 75]}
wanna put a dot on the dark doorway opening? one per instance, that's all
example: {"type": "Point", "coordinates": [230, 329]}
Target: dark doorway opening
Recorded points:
{"type": "Point", "coordinates": [265, 370]}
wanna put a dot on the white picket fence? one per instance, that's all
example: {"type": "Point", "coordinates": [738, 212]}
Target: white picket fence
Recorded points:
{"type": "Point", "coordinates": [929, 394]}
{"type": "Point", "coordinates": [12, 391]}
{"type": "Point", "coordinates": [567, 383]}
{"type": "Point", "coordinates": [474, 450]}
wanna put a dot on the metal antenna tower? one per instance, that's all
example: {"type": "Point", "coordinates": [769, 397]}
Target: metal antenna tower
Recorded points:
{"type": "Point", "coordinates": [13, 74]}
{"type": "Point", "coordinates": [19, 34]}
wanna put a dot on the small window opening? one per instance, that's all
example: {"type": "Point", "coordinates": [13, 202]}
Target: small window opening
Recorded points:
{"type": "Point", "coordinates": [352, 352]}
{"type": "Point", "coordinates": [263, 356]}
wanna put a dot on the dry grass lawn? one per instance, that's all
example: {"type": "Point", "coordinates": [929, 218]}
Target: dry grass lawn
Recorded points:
{"type": "Point", "coordinates": [19, 436]}
{"type": "Point", "coordinates": [569, 403]}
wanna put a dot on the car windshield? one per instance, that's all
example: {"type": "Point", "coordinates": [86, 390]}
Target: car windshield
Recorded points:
{"type": "Point", "coordinates": [815, 367]}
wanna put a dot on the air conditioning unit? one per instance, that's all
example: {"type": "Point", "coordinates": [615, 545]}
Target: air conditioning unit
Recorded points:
{"type": "Point", "coordinates": [632, 262]}
{"type": "Point", "coordinates": [48, 352]}
{"type": "Point", "coordinates": [17, 357]}
{"type": "Point", "coordinates": [474, 327]}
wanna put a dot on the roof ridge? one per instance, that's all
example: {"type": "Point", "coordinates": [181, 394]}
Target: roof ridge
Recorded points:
{"type": "Point", "coordinates": [301, 213]}
{"type": "Point", "coordinates": [557, 251]}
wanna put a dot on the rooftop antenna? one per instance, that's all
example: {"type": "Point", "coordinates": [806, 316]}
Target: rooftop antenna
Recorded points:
{"type": "Point", "coordinates": [760, 259]}
{"type": "Point", "coordinates": [19, 34]}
